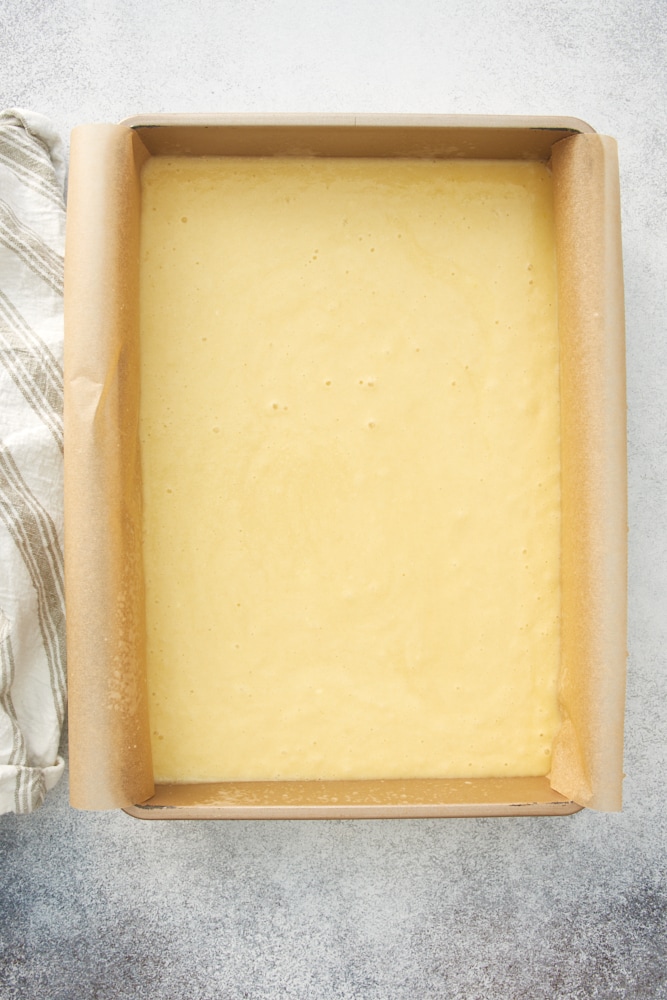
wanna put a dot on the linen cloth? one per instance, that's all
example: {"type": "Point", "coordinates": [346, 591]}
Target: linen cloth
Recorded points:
{"type": "Point", "coordinates": [32, 600]}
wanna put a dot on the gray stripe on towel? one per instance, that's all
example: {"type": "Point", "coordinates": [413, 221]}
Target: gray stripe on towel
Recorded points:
{"type": "Point", "coordinates": [36, 538]}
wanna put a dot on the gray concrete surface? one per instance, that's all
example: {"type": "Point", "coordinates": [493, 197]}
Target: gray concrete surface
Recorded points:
{"type": "Point", "coordinates": [103, 906]}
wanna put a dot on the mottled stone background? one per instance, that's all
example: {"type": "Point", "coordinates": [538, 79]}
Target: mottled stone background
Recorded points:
{"type": "Point", "coordinates": [103, 906]}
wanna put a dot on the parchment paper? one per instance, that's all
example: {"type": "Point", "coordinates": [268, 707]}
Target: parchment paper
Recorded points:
{"type": "Point", "coordinates": [587, 755]}
{"type": "Point", "coordinates": [110, 756]}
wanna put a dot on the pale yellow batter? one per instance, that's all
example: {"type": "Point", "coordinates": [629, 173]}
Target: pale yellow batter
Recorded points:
{"type": "Point", "coordinates": [350, 441]}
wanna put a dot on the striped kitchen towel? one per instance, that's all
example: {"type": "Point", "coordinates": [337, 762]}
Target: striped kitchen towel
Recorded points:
{"type": "Point", "coordinates": [32, 603]}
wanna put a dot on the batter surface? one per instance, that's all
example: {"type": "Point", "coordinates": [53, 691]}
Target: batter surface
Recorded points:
{"type": "Point", "coordinates": [350, 447]}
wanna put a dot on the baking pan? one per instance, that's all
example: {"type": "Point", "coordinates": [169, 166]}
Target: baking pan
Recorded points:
{"type": "Point", "coordinates": [110, 751]}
